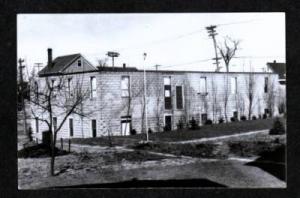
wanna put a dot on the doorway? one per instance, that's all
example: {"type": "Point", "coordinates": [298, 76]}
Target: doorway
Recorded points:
{"type": "Point", "coordinates": [168, 123]}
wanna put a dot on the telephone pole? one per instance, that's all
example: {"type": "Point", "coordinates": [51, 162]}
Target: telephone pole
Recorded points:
{"type": "Point", "coordinates": [212, 33]}
{"type": "Point", "coordinates": [38, 65]}
{"type": "Point", "coordinates": [156, 67]}
{"type": "Point", "coordinates": [22, 92]}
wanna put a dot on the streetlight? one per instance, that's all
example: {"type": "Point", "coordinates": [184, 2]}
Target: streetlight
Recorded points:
{"type": "Point", "coordinates": [145, 94]}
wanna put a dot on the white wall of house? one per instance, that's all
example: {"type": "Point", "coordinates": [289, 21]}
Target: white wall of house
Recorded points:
{"type": "Point", "coordinates": [110, 105]}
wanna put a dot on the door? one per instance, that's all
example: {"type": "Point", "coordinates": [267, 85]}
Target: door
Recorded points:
{"type": "Point", "coordinates": [168, 123]}
{"type": "Point", "coordinates": [125, 125]}
{"type": "Point", "coordinates": [94, 128]}
{"type": "Point", "coordinates": [125, 128]}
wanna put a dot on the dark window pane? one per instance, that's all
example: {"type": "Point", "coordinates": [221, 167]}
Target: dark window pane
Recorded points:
{"type": "Point", "coordinates": [71, 126]}
{"type": "Point", "coordinates": [168, 101]}
{"type": "Point", "coordinates": [179, 101]}
{"type": "Point", "coordinates": [94, 128]}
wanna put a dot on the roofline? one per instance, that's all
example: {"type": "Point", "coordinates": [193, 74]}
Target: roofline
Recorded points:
{"type": "Point", "coordinates": [152, 71]}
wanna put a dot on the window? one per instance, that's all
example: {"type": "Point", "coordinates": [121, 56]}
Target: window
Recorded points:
{"type": "Point", "coordinates": [79, 63]}
{"type": "Point", "coordinates": [235, 115]}
{"type": "Point", "coordinates": [54, 123]}
{"type": "Point", "coordinates": [94, 128]}
{"type": "Point", "coordinates": [93, 87]}
{"type": "Point", "coordinates": [179, 98]}
{"type": "Point", "coordinates": [203, 87]}
{"type": "Point", "coordinates": [203, 118]}
{"type": "Point", "coordinates": [125, 86]}
{"type": "Point", "coordinates": [36, 125]}
{"type": "Point", "coordinates": [69, 87]}
{"type": "Point", "coordinates": [53, 86]}
{"type": "Point", "coordinates": [233, 85]}
{"type": "Point", "coordinates": [167, 91]}
{"type": "Point", "coordinates": [36, 90]}
{"type": "Point", "coordinates": [71, 127]}
{"type": "Point", "coordinates": [266, 85]}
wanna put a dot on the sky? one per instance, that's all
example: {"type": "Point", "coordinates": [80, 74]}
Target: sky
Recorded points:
{"type": "Point", "coordinates": [177, 41]}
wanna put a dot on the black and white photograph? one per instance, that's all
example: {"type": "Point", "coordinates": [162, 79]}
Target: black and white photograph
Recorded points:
{"type": "Point", "coordinates": [151, 100]}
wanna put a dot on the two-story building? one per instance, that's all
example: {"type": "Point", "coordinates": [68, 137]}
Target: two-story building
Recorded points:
{"type": "Point", "coordinates": [172, 97]}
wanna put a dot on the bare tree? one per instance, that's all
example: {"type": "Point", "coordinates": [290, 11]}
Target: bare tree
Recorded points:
{"type": "Point", "coordinates": [55, 98]}
{"type": "Point", "coordinates": [214, 99]}
{"type": "Point", "coordinates": [102, 62]}
{"type": "Point", "coordinates": [250, 92]}
{"type": "Point", "coordinates": [225, 95]}
{"type": "Point", "coordinates": [228, 50]}
{"type": "Point", "coordinates": [281, 101]}
{"type": "Point", "coordinates": [270, 96]}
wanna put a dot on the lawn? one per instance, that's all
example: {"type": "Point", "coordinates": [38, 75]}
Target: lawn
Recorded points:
{"type": "Point", "coordinates": [183, 134]}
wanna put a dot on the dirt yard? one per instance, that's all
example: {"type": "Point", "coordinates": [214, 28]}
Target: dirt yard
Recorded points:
{"type": "Point", "coordinates": [106, 165]}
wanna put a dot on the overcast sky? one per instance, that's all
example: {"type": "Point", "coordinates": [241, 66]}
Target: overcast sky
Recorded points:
{"type": "Point", "coordinates": [175, 41]}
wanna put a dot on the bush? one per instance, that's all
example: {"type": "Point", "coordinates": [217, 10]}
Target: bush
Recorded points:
{"type": "Point", "coordinates": [133, 132]}
{"type": "Point", "coordinates": [194, 124]}
{"type": "Point", "coordinates": [278, 128]}
{"type": "Point", "coordinates": [221, 120]}
{"type": "Point", "coordinates": [254, 118]}
{"type": "Point", "coordinates": [150, 130]}
{"type": "Point", "coordinates": [180, 124]}
{"type": "Point", "coordinates": [243, 118]}
{"type": "Point", "coordinates": [208, 122]}
{"type": "Point", "coordinates": [265, 116]}
{"type": "Point", "coordinates": [232, 119]}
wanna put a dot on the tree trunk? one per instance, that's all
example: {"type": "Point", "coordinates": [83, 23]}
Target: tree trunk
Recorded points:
{"type": "Point", "coordinates": [53, 142]}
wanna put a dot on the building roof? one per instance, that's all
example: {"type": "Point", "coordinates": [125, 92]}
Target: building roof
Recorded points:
{"type": "Point", "coordinates": [117, 69]}
{"type": "Point", "coordinates": [278, 68]}
{"type": "Point", "coordinates": [59, 64]}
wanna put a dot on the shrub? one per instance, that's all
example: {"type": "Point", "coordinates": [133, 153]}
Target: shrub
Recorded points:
{"type": "Point", "coordinates": [232, 119]}
{"type": "Point", "coordinates": [150, 130]}
{"type": "Point", "coordinates": [133, 132]}
{"type": "Point", "coordinates": [243, 118]}
{"type": "Point", "coordinates": [277, 128]}
{"type": "Point", "coordinates": [194, 124]}
{"type": "Point", "coordinates": [180, 124]}
{"type": "Point", "coordinates": [208, 122]}
{"type": "Point", "coordinates": [221, 120]}
{"type": "Point", "coordinates": [254, 118]}
{"type": "Point", "coordinates": [265, 116]}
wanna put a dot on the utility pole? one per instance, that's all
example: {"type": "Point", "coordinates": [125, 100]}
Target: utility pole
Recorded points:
{"type": "Point", "coordinates": [21, 92]}
{"type": "Point", "coordinates": [38, 65]}
{"type": "Point", "coordinates": [212, 33]}
{"type": "Point", "coordinates": [145, 98]}
{"type": "Point", "coordinates": [156, 67]}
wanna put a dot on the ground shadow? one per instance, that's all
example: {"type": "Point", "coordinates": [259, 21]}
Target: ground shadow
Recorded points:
{"type": "Point", "coordinates": [272, 162]}
{"type": "Point", "coordinates": [134, 183]}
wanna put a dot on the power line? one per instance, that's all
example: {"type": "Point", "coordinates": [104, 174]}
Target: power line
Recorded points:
{"type": "Point", "coordinates": [187, 63]}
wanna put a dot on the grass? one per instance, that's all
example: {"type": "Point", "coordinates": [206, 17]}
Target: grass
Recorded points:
{"type": "Point", "coordinates": [183, 134]}
{"type": "Point", "coordinates": [242, 148]}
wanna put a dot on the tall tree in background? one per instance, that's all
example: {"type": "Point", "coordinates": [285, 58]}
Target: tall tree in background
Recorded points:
{"type": "Point", "coordinates": [228, 50]}
{"type": "Point", "coordinates": [250, 91]}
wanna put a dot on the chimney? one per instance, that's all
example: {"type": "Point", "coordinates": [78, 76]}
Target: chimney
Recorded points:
{"type": "Point", "coordinates": [50, 56]}
{"type": "Point", "coordinates": [124, 65]}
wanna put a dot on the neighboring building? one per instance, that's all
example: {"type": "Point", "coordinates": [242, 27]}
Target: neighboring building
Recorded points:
{"type": "Point", "coordinates": [280, 69]}
{"type": "Point", "coordinates": [172, 97]}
